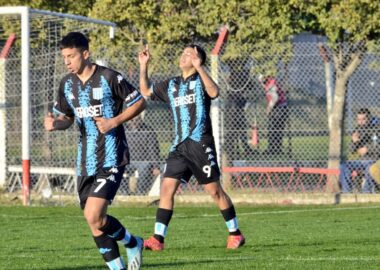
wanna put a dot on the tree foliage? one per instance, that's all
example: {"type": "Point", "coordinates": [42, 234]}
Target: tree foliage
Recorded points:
{"type": "Point", "coordinates": [67, 6]}
{"type": "Point", "coordinates": [255, 25]}
{"type": "Point", "coordinates": [262, 29]}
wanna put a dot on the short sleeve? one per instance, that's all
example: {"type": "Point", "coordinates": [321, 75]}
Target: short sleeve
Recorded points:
{"type": "Point", "coordinates": [160, 91]}
{"type": "Point", "coordinates": [124, 90]}
{"type": "Point", "coordinates": [61, 106]}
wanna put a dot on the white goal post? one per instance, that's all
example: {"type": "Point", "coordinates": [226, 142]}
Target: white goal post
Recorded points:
{"type": "Point", "coordinates": [25, 18]}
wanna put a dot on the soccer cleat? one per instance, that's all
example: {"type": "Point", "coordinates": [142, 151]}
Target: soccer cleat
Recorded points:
{"type": "Point", "coordinates": [135, 255]}
{"type": "Point", "coordinates": [235, 241]}
{"type": "Point", "coordinates": [153, 244]}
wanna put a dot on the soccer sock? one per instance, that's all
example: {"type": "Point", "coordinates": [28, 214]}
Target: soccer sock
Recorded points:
{"type": "Point", "coordinates": [110, 252]}
{"type": "Point", "coordinates": [115, 230]}
{"type": "Point", "coordinates": [163, 217]}
{"type": "Point", "coordinates": [229, 216]}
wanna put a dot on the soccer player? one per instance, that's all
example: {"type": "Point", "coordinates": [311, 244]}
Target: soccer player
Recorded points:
{"type": "Point", "coordinates": [193, 151]}
{"type": "Point", "coordinates": [93, 96]}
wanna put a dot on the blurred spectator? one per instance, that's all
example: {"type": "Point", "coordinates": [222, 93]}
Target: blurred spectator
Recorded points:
{"type": "Point", "coordinates": [145, 157]}
{"type": "Point", "coordinates": [374, 171]}
{"type": "Point", "coordinates": [277, 112]}
{"type": "Point", "coordinates": [235, 121]}
{"type": "Point", "coordinates": [375, 121]}
{"type": "Point", "coordinates": [364, 145]}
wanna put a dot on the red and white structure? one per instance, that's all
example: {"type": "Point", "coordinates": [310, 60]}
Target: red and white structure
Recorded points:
{"type": "Point", "coordinates": [215, 108]}
{"type": "Point", "coordinates": [25, 14]}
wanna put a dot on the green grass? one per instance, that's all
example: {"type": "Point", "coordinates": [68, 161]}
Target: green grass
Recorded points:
{"type": "Point", "coordinates": [278, 237]}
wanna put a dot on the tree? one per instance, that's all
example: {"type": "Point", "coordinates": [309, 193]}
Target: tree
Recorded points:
{"type": "Point", "coordinates": [68, 6]}
{"type": "Point", "coordinates": [351, 28]}
{"type": "Point", "coordinates": [41, 39]}
{"type": "Point", "coordinates": [261, 28]}
{"type": "Point", "coordinates": [164, 24]}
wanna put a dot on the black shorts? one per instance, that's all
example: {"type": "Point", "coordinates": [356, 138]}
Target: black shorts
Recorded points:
{"type": "Point", "coordinates": [193, 158]}
{"type": "Point", "coordinates": [102, 185]}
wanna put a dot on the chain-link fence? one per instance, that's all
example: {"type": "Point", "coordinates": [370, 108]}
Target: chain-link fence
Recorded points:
{"type": "Point", "coordinates": [274, 130]}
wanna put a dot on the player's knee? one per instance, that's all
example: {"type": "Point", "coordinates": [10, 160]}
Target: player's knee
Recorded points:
{"type": "Point", "coordinates": [94, 220]}
{"type": "Point", "coordinates": [167, 191]}
{"type": "Point", "coordinates": [167, 194]}
{"type": "Point", "coordinates": [215, 193]}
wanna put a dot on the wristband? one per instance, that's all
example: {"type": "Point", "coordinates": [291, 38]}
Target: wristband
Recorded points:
{"type": "Point", "coordinates": [61, 124]}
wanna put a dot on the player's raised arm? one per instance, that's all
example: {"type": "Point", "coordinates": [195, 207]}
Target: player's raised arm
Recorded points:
{"type": "Point", "coordinates": [145, 86]}
{"type": "Point", "coordinates": [211, 87]}
{"type": "Point", "coordinates": [59, 123]}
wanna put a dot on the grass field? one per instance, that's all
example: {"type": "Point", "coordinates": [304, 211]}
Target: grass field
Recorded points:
{"type": "Point", "coordinates": [278, 237]}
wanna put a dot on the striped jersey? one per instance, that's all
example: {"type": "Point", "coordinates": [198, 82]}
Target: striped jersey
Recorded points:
{"type": "Point", "coordinates": [102, 95]}
{"type": "Point", "coordinates": [190, 107]}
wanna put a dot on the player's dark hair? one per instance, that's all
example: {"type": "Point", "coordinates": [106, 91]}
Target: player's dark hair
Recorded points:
{"type": "Point", "coordinates": [366, 112]}
{"type": "Point", "coordinates": [74, 40]}
{"type": "Point", "coordinates": [200, 50]}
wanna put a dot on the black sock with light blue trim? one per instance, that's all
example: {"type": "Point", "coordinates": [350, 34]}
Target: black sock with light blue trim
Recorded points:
{"type": "Point", "coordinates": [229, 216]}
{"type": "Point", "coordinates": [109, 250]}
{"type": "Point", "coordinates": [163, 217]}
{"type": "Point", "coordinates": [114, 229]}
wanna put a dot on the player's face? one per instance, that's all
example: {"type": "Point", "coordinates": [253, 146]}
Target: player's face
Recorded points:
{"type": "Point", "coordinates": [74, 59]}
{"type": "Point", "coordinates": [362, 119]}
{"type": "Point", "coordinates": [185, 60]}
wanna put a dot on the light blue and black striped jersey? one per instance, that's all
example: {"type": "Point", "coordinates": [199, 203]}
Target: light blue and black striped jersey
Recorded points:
{"type": "Point", "coordinates": [190, 107]}
{"type": "Point", "coordinates": [103, 95]}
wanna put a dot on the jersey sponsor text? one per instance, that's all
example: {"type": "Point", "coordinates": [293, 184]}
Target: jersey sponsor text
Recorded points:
{"type": "Point", "coordinates": [90, 111]}
{"type": "Point", "coordinates": [132, 96]}
{"type": "Point", "coordinates": [188, 99]}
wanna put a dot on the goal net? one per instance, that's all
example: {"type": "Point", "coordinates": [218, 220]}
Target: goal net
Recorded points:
{"type": "Point", "coordinates": [46, 68]}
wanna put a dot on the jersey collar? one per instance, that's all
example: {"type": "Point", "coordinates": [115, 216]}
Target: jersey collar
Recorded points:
{"type": "Point", "coordinates": [192, 77]}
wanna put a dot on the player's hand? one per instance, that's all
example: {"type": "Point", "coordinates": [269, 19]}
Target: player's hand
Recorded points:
{"type": "Point", "coordinates": [49, 122]}
{"type": "Point", "coordinates": [355, 136]}
{"type": "Point", "coordinates": [156, 172]}
{"type": "Point", "coordinates": [362, 151]}
{"type": "Point", "coordinates": [104, 125]}
{"type": "Point", "coordinates": [195, 59]}
{"type": "Point", "coordinates": [144, 55]}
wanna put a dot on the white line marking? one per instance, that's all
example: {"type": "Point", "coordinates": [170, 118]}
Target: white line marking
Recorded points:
{"type": "Point", "coordinates": [224, 258]}
{"type": "Point", "coordinates": [212, 215]}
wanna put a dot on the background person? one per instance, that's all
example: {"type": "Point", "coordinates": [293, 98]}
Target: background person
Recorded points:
{"type": "Point", "coordinates": [374, 171]}
{"type": "Point", "coordinates": [277, 113]}
{"type": "Point", "coordinates": [365, 151]}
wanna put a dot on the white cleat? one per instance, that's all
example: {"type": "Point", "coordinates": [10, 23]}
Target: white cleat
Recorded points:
{"type": "Point", "coordinates": [135, 255]}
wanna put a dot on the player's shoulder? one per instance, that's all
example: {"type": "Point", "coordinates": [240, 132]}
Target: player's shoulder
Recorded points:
{"type": "Point", "coordinates": [165, 83]}
{"type": "Point", "coordinates": [175, 79]}
{"type": "Point", "coordinates": [109, 73]}
{"type": "Point", "coordinates": [196, 77]}
{"type": "Point", "coordinates": [68, 78]}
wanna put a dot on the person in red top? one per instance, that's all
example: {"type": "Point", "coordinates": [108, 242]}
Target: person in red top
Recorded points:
{"type": "Point", "coordinates": [277, 112]}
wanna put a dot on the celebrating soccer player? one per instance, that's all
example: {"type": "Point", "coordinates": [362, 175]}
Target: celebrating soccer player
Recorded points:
{"type": "Point", "coordinates": [193, 151]}
{"type": "Point", "coordinates": [94, 96]}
